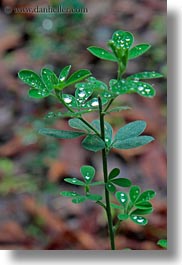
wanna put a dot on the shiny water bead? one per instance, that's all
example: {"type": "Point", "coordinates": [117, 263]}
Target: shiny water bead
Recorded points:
{"type": "Point", "coordinates": [139, 219]}
{"type": "Point", "coordinates": [70, 100]}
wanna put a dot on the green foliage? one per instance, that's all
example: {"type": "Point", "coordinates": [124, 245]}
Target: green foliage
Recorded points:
{"type": "Point", "coordinates": [128, 136]}
{"type": "Point", "coordinates": [162, 243]}
{"type": "Point", "coordinates": [91, 95]}
{"type": "Point", "coordinates": [134, 205]}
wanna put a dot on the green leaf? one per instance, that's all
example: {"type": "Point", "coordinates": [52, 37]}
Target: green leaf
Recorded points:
{"type": "Point", "coordinates": [134, 193]}
{"type": "Point", "coordinates": [35, 93]}
{"type": "Point", "coordinates": [130, 130]}
{"type": "Point", "coordinates": [70, 194]}
{"type": "Point", "coordinates": [60, 134]}
{"type": "Point", "coordinates": [115, 206]}
{"type": "Point", "coordinates": [122, 198]}
{"type": "Point", "coordinates": [32, 79]}
{"type": "Point", "coordinates": [110, 187]}
{"type": "Point", "coordinates": [122, 39]}
{"type": "Point", "coordinates": [123, 217]}
{"type": "Point", "coordinates": [93, 143]}
{"type": "Point", "coordinates": [122, 182]}
{"type": "Point", "coordinates": [146, 196]}
{"type": "Point", "coordinates": [97, 183]}
{"type": "Point", "coordinates": [77, 76]}
{"type": "Point", "coordinates": [142, 211]}
{"type": "Point", "coordinates": [79, 199]}
{"type": "Point", "coordinates": [94, 197]}
{"type": "Point", "coordinates": [88, 173]}
{"type": "Point", "coordinates": [118, 109]}
{"type": "Point", "coordinates": [74, 181]}
{"type": "Point", "coordinates": [79, 124]}
{"type": "Point", "coordinates": [162, 243]}
{"type": "Point", "coordinates": [133, 86]}
{"type": "Point", "coordinates": [70, 100]}
{"type": "Point", "coordinates": [64, 73]}
{"type": "Point", "coordinates": [138, 50]}
{"type": "Point", "coordinates": [102, 53]}
{"type": "Point", "coordinates": [49, 78]}
{"type": "Point", "coordinates": [132, 142]}
{"type": "Point", "coordinates": [143, 205]}
{"type": "Point", "coordinates": [114, 173]}
{"type": "Point", "coordinates": [145, 75]}
{"type": "Point", "coordinates": [140, 220]}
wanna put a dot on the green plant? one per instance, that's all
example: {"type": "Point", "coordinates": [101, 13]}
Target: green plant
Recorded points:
{"type": "Point", "coordinates": [94, 95]}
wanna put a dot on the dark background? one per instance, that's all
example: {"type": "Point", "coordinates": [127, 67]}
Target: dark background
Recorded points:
{"type": "Point", "coordinates": [32, 167]}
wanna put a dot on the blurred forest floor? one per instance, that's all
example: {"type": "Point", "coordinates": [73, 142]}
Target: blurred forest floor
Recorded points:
{"type": "Point", "coordinates": [32, 167]}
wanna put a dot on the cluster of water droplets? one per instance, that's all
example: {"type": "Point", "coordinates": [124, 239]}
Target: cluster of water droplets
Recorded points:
{"type": "Point", "coordinates": [122, 40]}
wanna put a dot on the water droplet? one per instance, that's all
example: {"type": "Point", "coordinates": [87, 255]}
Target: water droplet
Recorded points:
{"type": "Point", "coordinates": [87, 177]}
{"type": "Point", "coordinates": [128, 39]}
{"type": "Point", "coordinates": [140, 88]}
{"type": "Point", "coordinates": [95, 103]}
{"type": "Point", "coordinates": [81, 94]}
{"type": "Point", "coordinates": [74, 180]}
{"type": "Point", "coordinates": [147, 90]}
{"type": "Point", "coordinates": [123, 200]}
{"type": "Point", "coordinates": [67, 100]}
{"type": "Point", "coordinates": [62, 79]}
{"type": "Point", "coordinates": [102, 52]}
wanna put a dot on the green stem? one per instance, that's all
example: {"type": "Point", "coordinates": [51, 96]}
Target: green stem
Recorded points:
{"type": "Point", "coordinates": [105, 171]}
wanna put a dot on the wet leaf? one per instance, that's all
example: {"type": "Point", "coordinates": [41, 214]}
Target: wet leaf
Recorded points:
{"type": "Point", "coordinates": [102, 53]}
{"type": "Point", "coordinates": [122, 182]}
{"type": "Point", "coordinates": [79, 199]}
{"type": "Point", "coordinates": [77, 76]}
{"type": "Point", "coordinates": [88, 173]}
{"type": "Point", "coordinates": [60, 134]}
{"type": "Point", "coordinates": [49, 78]}
{"type": "Point", "coordinates": [70, 100]}
{"type": "Point", "coordinates": [138, 50]}
{"type": "Point", "coordinates": [110, 187]}
{"type": "Point", "coordinates": [32, 79]}
{"type": "Point", "coordinates": [146, 196]}
{"type": "Point", "coordinates": [114, 173]}
{"type": "Point", "coordinates": [122, 39]}
{"type": "Point", "coordinates": [122, 198]}
{"type": "Point", "coordinates": [70, 194]}
{"type": "Point", "coordinates": [35, 93]}
{"type": "Point", "coordinates": [64, 73]}
{"type": "Point", "coordinates": [74, 181]}
{"type": "Point", "coordinates": [93, 143]}
{"type": "Point", "coordinates": [145, 75]}
{"type": "Point", "coordinates": [140, 220]}
{"type": "Point", "coordinates": [134, 193]}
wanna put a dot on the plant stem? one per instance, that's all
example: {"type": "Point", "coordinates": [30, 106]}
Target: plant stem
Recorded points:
{"type": "Point", "coordinates": [105, 171]}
